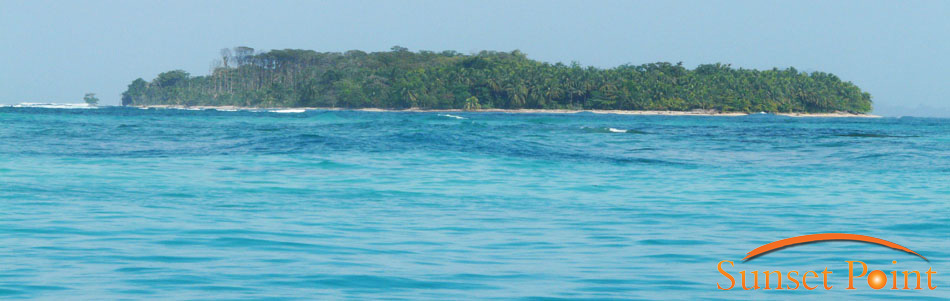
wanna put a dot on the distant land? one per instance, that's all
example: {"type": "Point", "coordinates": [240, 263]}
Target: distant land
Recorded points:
{"type": "Point", "coordinates": [489, 80]}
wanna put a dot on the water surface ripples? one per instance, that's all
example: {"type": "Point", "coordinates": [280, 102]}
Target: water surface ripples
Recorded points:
{"type": "Point", "coordinates": [127, 203]}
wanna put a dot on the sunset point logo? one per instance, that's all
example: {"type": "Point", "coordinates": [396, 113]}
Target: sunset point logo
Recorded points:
{"type": "Point", "coordinates": [876, 279]}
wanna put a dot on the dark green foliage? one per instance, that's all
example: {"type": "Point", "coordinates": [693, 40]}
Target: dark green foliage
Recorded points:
{"type": "Point", "coordinates": [135, 93]}
{"type": "Point", "coordinates": [91, 99]}
{"type": "Point", "coordinates": [448, 80]}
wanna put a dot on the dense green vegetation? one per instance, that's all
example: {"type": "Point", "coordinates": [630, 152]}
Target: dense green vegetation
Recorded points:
{"type": "Point", "coordinates": [91, 99]}
{"type": "Point", "coordinates": [509, 80]}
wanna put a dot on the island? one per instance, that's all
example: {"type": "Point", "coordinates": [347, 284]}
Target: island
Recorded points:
{"type": "Point", "coordinates": [491, 81]}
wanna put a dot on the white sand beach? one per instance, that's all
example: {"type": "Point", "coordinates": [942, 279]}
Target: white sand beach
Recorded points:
{"type": "Point", "coordinates": [541, 111]}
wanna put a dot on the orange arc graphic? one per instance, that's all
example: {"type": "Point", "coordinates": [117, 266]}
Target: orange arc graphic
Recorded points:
{"type": "Point", "coordinates": [824, 237]}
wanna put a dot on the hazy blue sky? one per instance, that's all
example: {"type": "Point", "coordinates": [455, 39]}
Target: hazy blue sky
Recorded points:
{"type": "Point", "coordinates": [54, 51]}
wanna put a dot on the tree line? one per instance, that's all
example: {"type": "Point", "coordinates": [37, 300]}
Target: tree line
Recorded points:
{"type": "Point", "coordinates": [400, 78]}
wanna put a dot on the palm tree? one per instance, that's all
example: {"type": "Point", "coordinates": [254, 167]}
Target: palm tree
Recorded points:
{"type": "Point", "coordinates": [471, 104]}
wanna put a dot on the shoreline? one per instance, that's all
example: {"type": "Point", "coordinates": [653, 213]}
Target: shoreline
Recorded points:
{"type": "Point", "coordinates": [516, 111]}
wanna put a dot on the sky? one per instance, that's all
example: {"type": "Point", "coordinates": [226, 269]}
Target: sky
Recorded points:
{"type": "Point", "coordinates": [55, 51]}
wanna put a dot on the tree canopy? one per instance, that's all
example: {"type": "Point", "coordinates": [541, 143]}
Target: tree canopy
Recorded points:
{"type": "Point", "coordinates": [91, 99]}
{"type": "Point", "coordinates": [400, 79]}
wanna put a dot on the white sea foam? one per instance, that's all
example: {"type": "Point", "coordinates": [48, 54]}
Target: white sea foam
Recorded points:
{"type": "Point", "coordinates": [452, 116]}
{"type": "Point", "coordinates": [55, 105]}
{"type": "Point", "coordinates": [183, 108]}
{"type": "Point", "coordinates": [613, 130]}
{"type": "Point", "coordinates": [289, 111]}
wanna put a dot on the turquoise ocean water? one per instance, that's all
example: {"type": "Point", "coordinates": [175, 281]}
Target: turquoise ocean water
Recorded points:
{"type": "Point", "coordinates": [173, 204]}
